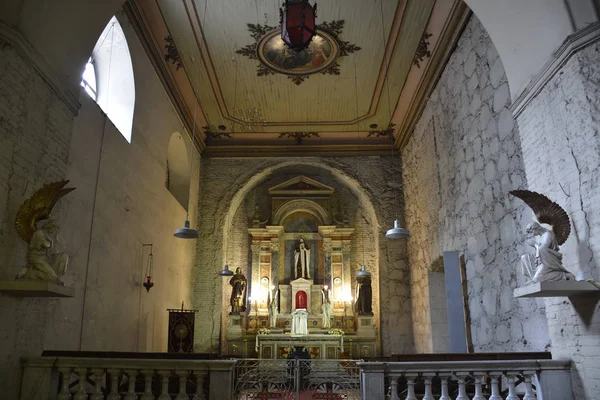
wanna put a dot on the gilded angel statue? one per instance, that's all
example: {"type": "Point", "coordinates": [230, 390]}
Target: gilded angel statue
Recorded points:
{"type": "Point", "coordinates": [546, 263]}
{"type": "Point", "coordinates": [42, 264]}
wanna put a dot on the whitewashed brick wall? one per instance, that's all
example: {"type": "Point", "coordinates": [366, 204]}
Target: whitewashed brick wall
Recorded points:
{"type": "Point", "coordinates": [560, 135]}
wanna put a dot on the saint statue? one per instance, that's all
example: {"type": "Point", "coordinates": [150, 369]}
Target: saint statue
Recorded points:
{"type": "Point", "coordinates": [546, 263]}
{"type": "Point", "coordinates": [238, 284]}
{"type": "Point", "coordinates": [42, 264]}
{"type": "Point", "coordinates": [273, 310]}
{"type": "Point", "coordinates": [326, 307]}
{"type": "Point", "coordinates": [364, 293]}
{"type": "Point", "coordinates": [302, 261]}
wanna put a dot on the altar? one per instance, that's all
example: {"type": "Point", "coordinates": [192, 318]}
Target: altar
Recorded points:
{"type": "Point", "coordinates": [321, 346]}
{"type": "Point", "coordinates": [302, 281]}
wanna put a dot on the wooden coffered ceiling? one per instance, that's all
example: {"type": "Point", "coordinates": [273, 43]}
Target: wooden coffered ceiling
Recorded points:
{"type": "Point", "coordinates": [371, 99]}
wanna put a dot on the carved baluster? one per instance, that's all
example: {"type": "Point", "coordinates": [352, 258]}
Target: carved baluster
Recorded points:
{"type": "Point", "coordinates": [131, 374]}
{"type": "Point", "coordinates": [445, 395]}
{"type": "Point", "coordinates": [511, 379]}
{"type": "Point", "coordinates": [148, 374]}
{"type": "Point", "coordinates": [478, 382]}
{"type": "Point", "coordinates": [164, 376]}
{"type": "Point", "coordinates": [81, 394]}
{"type": "Point", "coordinates": [97, 395]}
{"type": "Point", "coordinates": [64, 394]}
{"type": "Point", "coordinates": [114, 384]}
{"type": "Point", "coordinates": [427, 377]}
{"type": "Point", "coordinates": [462, 386]}
{"type": "Point", "coordinates": [410, 381]}
{"type": "Point", "coordinates": [529, 394]}
{"type": "Point", "coordinates": [182, 395]}
{"type": "Point", "coordinates": [199, 386]}
{"type": "Point", "coordinates": [494, 377]}
{"type": "Point", "coordinates": [394, 389]}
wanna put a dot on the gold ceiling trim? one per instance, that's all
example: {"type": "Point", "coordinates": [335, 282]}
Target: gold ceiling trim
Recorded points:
{"type": "Point", "coordinates": [194, 19]}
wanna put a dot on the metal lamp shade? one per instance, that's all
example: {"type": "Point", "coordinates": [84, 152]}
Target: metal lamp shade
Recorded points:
{"type": "Point", "coordinates": [363, 272]}
{"type": "Point", "coordinates": [186, 232]}
{"type": "Point", "coordinates": [396, 232]}
{"type": "Point", "coordinates": [226, 271]}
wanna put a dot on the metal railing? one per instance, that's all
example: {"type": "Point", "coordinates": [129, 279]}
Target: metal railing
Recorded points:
{"type": "Point", "coordinates": [295, 379]}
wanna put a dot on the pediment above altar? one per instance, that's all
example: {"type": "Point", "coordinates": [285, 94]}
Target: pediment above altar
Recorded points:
{"type": "Point", "coordinates": [301, 186]}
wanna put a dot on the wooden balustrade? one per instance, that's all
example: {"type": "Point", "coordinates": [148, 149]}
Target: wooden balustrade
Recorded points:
{"type": "Point", "coordinates": [467, 380]}
{"type": "Point", "coordinates": [73, 378]}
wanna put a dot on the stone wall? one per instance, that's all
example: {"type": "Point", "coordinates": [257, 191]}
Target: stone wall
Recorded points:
{"type": "Point", "coordinates": [462, 160]}
{"type": "Point", "coordinates": [120, 203]}
{"type": "Point", "coordinates": [560, 137]}
{"type": "Point", "coordinates": [229, 186]}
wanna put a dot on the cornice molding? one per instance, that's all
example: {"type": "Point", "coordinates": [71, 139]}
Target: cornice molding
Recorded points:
{"type": "Point", "coordinates": [459, 16]}
{"type": "Point", "coordinates": [140, 26]}
{"type": "Point", "coordinates": [572, 44]}
{"type": "Point", "coordinates": [13, 36]}
{"type": "Point", "coordinates": [306, 150]}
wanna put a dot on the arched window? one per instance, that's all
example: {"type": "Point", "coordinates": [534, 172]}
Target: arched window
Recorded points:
{"type": "Point", "coordinates": [108, 77]}
{"type": "Point", "coordinates": [178, 170]}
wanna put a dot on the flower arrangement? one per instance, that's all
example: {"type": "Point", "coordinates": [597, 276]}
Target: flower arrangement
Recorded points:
{"type": "Point", "coordinates": [336, 331]}
{"type": "Point", "coordinates": [264, 331]}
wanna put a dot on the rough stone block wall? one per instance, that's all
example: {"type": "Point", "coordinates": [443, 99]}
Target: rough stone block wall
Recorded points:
{"type": "Point", "coordinates": [226, 182]}
{"type": "Point", "coordinates": [120, 202]}
{"type": "Point", "coordinates": [462, 160]}
{"type": "Point", "coordinates": [560, 138]}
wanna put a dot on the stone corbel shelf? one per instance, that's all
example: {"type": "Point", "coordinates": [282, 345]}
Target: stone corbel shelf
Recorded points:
{"type": "Point", "coordinates": [24, 288]}
{"type": "Point", "coordinates": [557, 289]}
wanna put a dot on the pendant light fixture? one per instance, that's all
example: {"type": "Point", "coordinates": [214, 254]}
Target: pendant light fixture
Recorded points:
{"type": "Point", "coordinates": [148, 284]}
{"type": "Point", "coordinates": [186, 232]}
{"type": "Point", "coordinates": [226, 271]}
{"type": "Point", "coordinates": [297, 23]}
{"type": "Point", "coordinates": [396, 232]}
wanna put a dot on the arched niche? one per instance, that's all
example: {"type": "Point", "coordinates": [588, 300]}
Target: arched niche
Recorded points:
{"type": "Point", "coordinates": [115, 84]}
{"type": "Point", "coordinates": [301, 205]}
{"type": "Point", "coordinates": [178, 170]}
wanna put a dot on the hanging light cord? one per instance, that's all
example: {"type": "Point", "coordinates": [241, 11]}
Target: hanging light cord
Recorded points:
{"type": "Point", "coordinates": [392, 138]}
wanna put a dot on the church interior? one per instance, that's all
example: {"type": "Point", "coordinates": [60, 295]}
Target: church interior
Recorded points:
{"type": "Point", "coordinates": [237, 199]}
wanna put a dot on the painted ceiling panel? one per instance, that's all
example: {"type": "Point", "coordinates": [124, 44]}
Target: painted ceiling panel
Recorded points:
{"type": "Point", "coordinates": [341, 106]}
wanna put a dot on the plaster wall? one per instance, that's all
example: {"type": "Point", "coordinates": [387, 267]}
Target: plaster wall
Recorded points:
{"type": "Point", "coordinates": [121, 202]}
{"type": "Point", "coordinates": [560, 138]}
{"type": "Point", "coordinates": [526, 33]}
{"type": "Point", "coordinates": [462, 160]}
{"type": "Point", "coordinates": [229, 186]}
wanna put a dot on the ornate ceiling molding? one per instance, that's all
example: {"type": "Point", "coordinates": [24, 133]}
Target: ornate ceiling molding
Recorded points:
{"type": "Point", "coordinates": [194, 19]}
{"type": "Point", "coordinates": [388, 132]}
{"type": "Point", "coordinates": [172, 53]}
{"type": "Point", "coordinates": [299, 136]}
{"type": "Point", "coordinates": [332, 30]}
{"type": "Point", "coordinates": [423, 51]}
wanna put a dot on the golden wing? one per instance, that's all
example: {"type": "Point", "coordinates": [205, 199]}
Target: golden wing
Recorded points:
{"type": "Point", "coordinates": [38, 207]}
{"type": "Point", "coordinates": [547, 212]}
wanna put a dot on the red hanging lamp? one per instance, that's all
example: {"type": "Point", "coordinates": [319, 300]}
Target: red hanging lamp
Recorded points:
{"type": "Point", "coordinates": [297, 23]}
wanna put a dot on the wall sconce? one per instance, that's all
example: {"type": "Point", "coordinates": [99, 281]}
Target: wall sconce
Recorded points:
{"type": "Point", "coordinates": [148, 282]}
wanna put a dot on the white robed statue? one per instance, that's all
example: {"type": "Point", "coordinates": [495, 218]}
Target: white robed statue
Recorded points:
{"type": "Point", "coordinates": [546, 263]}
{"type": "Point", "coordinates": [302, 261]}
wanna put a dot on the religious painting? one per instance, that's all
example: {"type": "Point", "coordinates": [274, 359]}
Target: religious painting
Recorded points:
{"type": "Point", "coordinates": [276, 55]}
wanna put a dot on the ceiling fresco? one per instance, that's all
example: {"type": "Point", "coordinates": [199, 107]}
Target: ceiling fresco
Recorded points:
{"type": "Point", "coordinates": [357, 89]}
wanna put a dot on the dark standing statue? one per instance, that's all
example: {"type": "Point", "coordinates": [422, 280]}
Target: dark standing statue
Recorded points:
{"type": "Point", "coordinates": [238, 284]}
{"type": "Point", "coordinates": [364, 292]}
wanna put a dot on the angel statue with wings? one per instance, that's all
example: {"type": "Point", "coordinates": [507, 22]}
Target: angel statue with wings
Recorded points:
{"type": "Point", "coordinates": [42, 263]}
{"type": "Point", "coordinates": [546, 263]}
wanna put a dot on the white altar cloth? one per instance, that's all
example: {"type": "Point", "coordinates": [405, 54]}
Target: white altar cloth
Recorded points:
{"type": "Point", "coordinates": [299, 323]}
